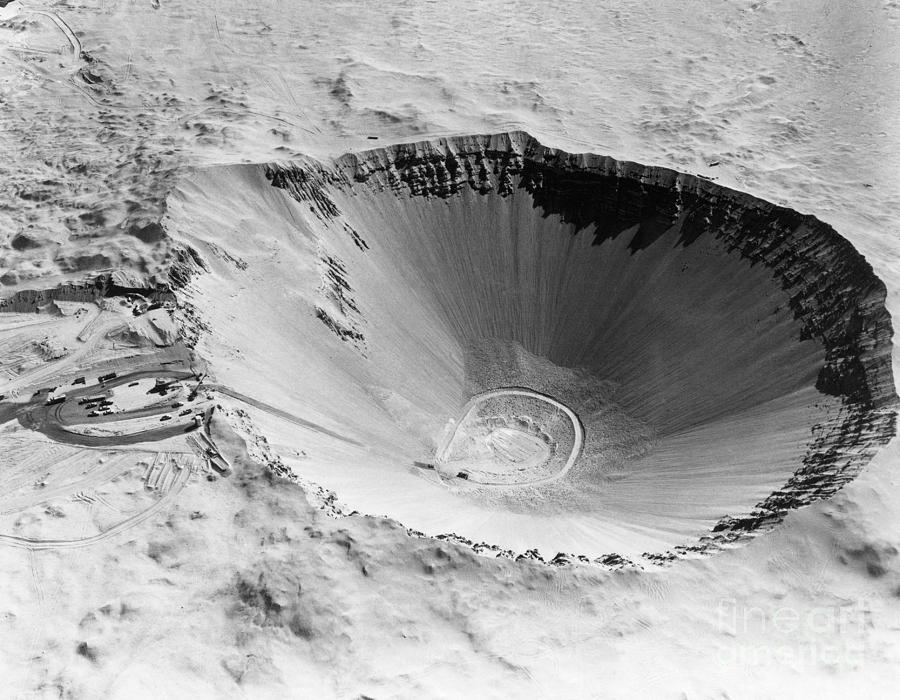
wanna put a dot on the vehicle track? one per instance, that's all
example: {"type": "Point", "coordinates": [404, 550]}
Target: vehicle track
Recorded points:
{"type": "Point", "coordinates": [63, 27]}
{"type": "Point", "coordinates": [281, 414]}
{"type": "Point", "coordinates": [72, 359]}
{"type": "Point", "coordinates": [36, 585]}
{"type": "Point", "coordinates": [181, 478]}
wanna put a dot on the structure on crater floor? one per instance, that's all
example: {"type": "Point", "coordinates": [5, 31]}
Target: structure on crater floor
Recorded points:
{"type": "Point", "coordinates": [511, 437]}
{"type": "Point", "coordinates": [727, 360]}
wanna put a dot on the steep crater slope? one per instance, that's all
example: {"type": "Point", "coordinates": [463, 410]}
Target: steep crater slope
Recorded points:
{"type": "Point", "coordinates": [725, 360]}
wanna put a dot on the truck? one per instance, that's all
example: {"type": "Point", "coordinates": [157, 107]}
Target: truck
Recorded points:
{"type": "Point", "coordinates": [52, 401]}
{"type": "Point", "coordinates": [106, 377]}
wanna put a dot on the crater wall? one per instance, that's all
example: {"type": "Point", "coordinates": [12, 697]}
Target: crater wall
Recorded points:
{"type": "Point", "coordinates": [729, 358]}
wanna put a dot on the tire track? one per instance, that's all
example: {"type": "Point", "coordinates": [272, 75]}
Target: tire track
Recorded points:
{"type": "Point", "coordinates": [181, 479]}
{"type": "Point", "coordinates": [64, 28]}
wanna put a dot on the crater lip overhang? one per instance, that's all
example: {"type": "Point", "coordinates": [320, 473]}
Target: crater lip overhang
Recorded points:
{"type": "Point", "coordinates": [833, 291]}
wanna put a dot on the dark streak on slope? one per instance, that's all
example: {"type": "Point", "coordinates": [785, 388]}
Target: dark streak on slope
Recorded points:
{"type": "Point", "coordinates": [345, 318]}
{"type": "Point", "coordinates": [305, 184]}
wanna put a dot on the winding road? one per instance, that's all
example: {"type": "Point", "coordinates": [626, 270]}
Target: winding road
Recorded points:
{"type": "Point", "coordinates": [472, 404]}
{"type": "Point", "coordinates": [53, 420]}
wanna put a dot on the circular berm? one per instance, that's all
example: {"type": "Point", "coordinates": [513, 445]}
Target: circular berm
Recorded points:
{"type": "Point", "coordinates": [692, 362]}
{"type": "Point", "coordinates": [510, 437]}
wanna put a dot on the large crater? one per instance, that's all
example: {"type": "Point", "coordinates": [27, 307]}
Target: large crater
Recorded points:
{"type": "Point", "coordinates": [484, 337]}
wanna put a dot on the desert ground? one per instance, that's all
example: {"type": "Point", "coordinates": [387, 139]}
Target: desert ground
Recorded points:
{"type": "Point", "coordinates": [428, 350]}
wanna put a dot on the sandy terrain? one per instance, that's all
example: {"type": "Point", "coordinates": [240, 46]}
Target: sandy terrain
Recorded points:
{"type": "Point", "coordinates": [133, 129]}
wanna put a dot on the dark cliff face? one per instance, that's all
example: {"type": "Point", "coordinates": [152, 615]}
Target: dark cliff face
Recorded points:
{"type": "Point", "coordinates": [831, 290]}
{"type": "Point", "coordinates": [186, 263]}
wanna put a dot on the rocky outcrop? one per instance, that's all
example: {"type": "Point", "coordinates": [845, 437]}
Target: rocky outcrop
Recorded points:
{"type": "Point", "coordinates": [186, 263]}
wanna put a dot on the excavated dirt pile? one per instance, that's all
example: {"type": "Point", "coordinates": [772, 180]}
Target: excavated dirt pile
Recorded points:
{"type": "Point", "coordinates": [726, 359]}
